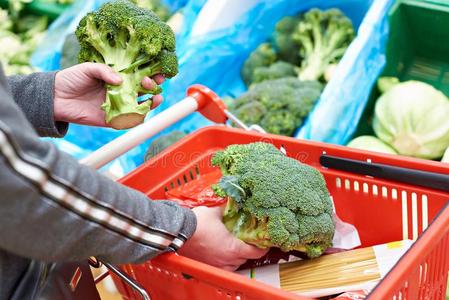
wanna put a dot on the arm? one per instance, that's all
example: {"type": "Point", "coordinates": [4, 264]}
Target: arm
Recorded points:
{"type": "Point", "coordinates": [52, 100]}
{"type": "Point", "coordinates": [74, 211]}
{"type": "Point", "coordinates": [34, 95]}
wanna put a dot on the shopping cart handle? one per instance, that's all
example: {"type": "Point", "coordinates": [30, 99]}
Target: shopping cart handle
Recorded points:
{"type": "Point", "coordinates": [425, 179]}
{"type": "Point", "coordinates": [199, 98]}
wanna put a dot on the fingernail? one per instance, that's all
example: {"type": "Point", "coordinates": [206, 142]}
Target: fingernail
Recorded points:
{"type": "Point", "coordinates": [116, 78]}
{"type": "Point", "coordinates": [149, 82]}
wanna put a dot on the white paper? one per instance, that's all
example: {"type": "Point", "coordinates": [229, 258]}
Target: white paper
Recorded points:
{"type": "Point", "coordinates": [266, 274]}
{"type": "Point", "coordinates": [387, 255]}
{"type": "Point", "coordinates": [338, 290]}
{"type": "Point", "coordinates": [346, 236]}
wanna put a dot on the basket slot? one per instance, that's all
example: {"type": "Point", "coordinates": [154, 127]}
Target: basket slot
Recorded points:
{"type": "Point", "coordinates": [188, 176]}
{"type": "Point", "coordinates": [413, 213]}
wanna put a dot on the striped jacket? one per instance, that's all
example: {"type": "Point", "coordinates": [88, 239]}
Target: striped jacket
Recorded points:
{"type": "Point", "coordinates": [54, 209]}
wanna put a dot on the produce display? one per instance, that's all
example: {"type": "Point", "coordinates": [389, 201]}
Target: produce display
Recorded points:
{"type": "Point", "coordinates": [306, 47]}
{"type": "Point", "coordinates": [19, 37]}
{"type": "Point", "coordinates": [410, 118]}
{"type": "Point", "coordinates": [274, 200]}
{"type": "Point", "coordinates": [371, 143]}
{"type": "Point", "coordinates": [271, 199]}
{"type": "Point", "coordinates": [279, 105]}
{"type": "Point", "coordinates": [135, 43]}
{"type": "Point", "coordinates": [310, 44]}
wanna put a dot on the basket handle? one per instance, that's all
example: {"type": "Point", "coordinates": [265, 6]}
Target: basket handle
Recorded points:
{"type": "Point", "coordinates": [425, 179]}
{"type": "Point", "coordinates": [129, 281]}
{"type": "Point", "coordinates": [199, 98]}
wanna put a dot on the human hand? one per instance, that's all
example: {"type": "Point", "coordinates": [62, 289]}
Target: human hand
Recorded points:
{"type": "Point", "coordinates": [212, 243]}
{"type": "Point", "coordinates": [79, 93]}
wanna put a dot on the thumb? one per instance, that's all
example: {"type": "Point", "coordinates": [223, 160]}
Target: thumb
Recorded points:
{"type": "Point", "coordinates": [247, 251]}
{"type": "Point", "coordinates": [101, 72]}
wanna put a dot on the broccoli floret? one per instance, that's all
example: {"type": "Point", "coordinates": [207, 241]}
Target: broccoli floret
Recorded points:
{"type": "Point", "coordinates": [163, 142]}
{"type": "Point", "coordinates": [286, 48]}
{"type": "Point", "coordinates": [274, 200]}
{"type": "Point", "coordinates": [322, 37]}
{"type": "Point", "coordinates": [135, 43]}
{"type": "Point", "coordinates": [281, 122]}
{"type": "Point", "coordinates": [159, 8]}
{"type": "Point", "coordinates": [277, 70]}
{"type": "Point", "coordinates": [263, 56]}
{"type": "Point", "coordinates": [279, 105]}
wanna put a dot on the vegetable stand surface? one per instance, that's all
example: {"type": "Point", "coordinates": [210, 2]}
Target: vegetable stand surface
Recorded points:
{"type": "Point", "coordinates": [414, 49]}
{"type": "Point", "coordinates": [382, 211]}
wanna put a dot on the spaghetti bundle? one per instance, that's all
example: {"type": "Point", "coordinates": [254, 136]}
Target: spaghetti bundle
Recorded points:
{"type": "Point", "coordinates": [330, 271]}
{"type": "Point", "coordinates": [333, 273]}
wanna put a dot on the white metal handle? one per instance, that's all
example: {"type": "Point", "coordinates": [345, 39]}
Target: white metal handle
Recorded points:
{"type": "Point", "coordinates": [139, 134]}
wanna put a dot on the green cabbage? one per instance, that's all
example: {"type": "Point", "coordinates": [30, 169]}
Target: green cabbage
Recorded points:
{"type": "Point", "coordinates": [371, 143]}
{"type": "Point", "coordinates": [413, 117]}
{"type": "Point", "coordinates": [446, 156]}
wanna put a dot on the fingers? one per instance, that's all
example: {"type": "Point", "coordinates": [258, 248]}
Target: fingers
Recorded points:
{"type": "Point", "coordinates": [159, 78]}
{"type": "Point", "coordinates": [149, 84]}
{"type": "Point", "coordinates": [101, 72]}
{"type": "Point", "coordinates": [247, 251]}
{"type": "Point", "coordinates": [157, 99]}
{"type": "Point", "coordinates": [232, 267]}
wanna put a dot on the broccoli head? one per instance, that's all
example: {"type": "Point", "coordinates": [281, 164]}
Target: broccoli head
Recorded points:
{"type": "Point", "coordinates": [277, 70]}
{"type": "Point", "coordinates": [263, 56]}
{"type": "Point", "coordinates": [322, 37]}
{"type": "Point", "coordinates": [163, 142]}
{"type": "Point", "coordinates": [287, 49]}
{"type": "Point", "coordinates": [135, 43]}
{"type": "Point", "coordinates": [279, 105]}
{"type": "Point", "coordinates": [274, 200]}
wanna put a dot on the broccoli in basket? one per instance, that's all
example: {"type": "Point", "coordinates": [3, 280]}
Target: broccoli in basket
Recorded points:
{"type": "Point", "coordinates": [274, 200]}
{"type": "Point", "coordinates": [135, 43]}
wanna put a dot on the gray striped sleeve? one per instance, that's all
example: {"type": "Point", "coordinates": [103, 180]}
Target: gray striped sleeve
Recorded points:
{"type": "Point", "coordinates": [49, 201]}
{"type": "Point", "coordinates": [35, 95]}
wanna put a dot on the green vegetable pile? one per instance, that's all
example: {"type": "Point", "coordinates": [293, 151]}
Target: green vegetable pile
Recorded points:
{"type": "Point", "coordinates": [309, 45]}
{"type": "Point", "coordinates": [284, 73]}
{"type": "Point", "coordinates": [279, 105]}
{"type": "Point", "coordinates": [19, 37]}
{"type": "Point", "coordinates": [410, 118]}
{"type": "Point", "coordinates": [274, 200]}
{"type": "Point", "coordinates": [135, 43]}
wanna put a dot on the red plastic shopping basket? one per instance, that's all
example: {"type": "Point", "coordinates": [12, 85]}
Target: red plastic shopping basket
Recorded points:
{"type": "Point", "coordinates": [382, 211]}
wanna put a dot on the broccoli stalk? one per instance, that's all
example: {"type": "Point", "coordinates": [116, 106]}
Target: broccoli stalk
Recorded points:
{"type": "Point", "coordinates": [323, 37]}
{"type": "Point", "coordinates": [135, 43]}
{"type": "Point", "coordinates": [274, 200]}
